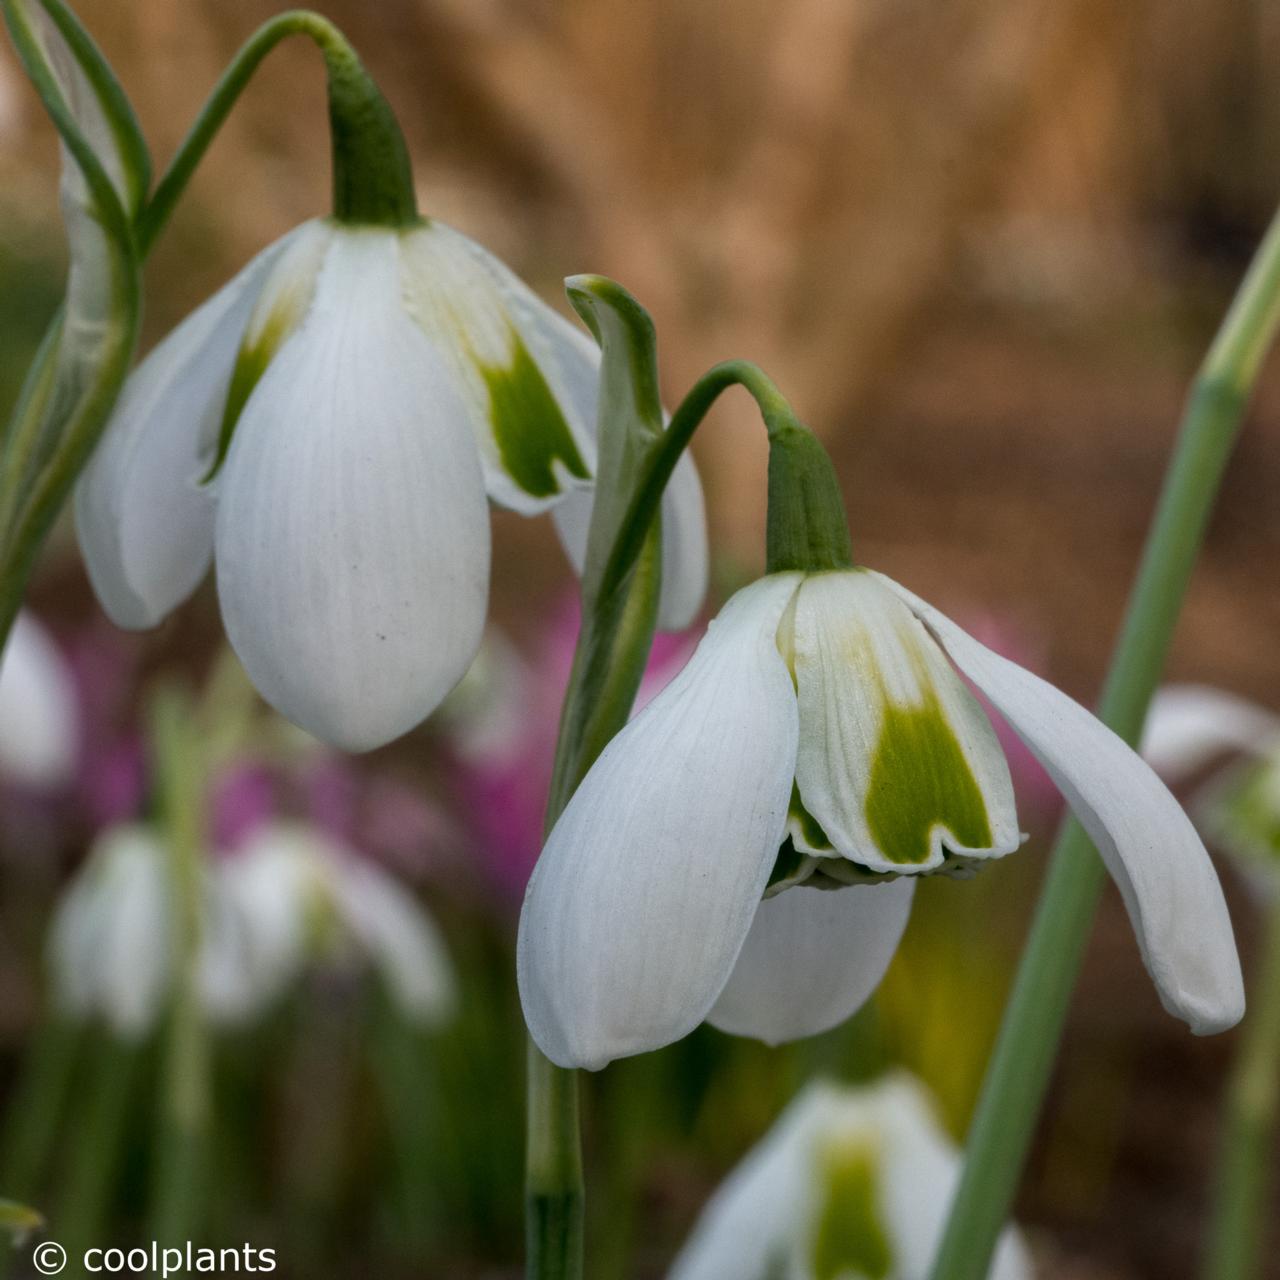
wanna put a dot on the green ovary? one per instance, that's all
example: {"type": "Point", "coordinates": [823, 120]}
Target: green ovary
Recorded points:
{"type": "Point", "coordinates": [920, 780]}
{"type": "Point", "coordinates": [849, 1237]}
{"type": "Point", "coordinates": [528, 424]}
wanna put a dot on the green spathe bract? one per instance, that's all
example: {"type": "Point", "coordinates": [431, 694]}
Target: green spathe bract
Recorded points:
{"type": "Point", "coordinates": [849, 1236]}
{"type": "Point", "coordinates": [921, 782]}
{"type": "Point", "coordinates": [528, 423]}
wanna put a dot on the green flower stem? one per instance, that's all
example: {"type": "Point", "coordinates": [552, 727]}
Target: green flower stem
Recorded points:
{"type": "Point", "coordinates": [1244, 1174]}
{"type": "Point", "coordinates": [612, 649]}
{"type": "Point", "coordinates": [1018, 1076]}
{"type": "Point", "coordinates": [185, 1106]}
{"type": "Point", "coordinates": [372, 181]}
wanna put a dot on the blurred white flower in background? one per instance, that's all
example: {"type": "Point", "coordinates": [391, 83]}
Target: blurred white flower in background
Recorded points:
{"type": "Point", "coordinates": [289, 901]}
{"type": "Point", "coordinates": [39, 731]}
{"type": "Point", "coordinates": [1194, 728]}
{"type": "Point", "coordinates": [111, 946]}
{"type": "Point", "coordinates": [293, 898]}
{"type": "Point", "coordinates": [849, 1184]}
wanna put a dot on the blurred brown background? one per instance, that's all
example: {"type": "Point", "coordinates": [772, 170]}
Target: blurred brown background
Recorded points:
{"type": "Point", "coordinates": [982, 244]}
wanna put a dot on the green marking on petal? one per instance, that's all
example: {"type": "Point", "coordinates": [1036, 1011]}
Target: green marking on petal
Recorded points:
{"type": "Point", "coordinates": [810, 829]}
{"type": "Point", "coordinates": [251, 363]}
{"type": "Point", "coordinates": [849, 1236]}
{"type": "Point", "coordinates": [920, 780]}
{"type": "Point", "coordinates": [528, 424]}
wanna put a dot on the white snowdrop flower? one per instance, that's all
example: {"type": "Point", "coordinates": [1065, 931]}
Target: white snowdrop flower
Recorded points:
{"type": "Point", "coordinates": [850, 1184]}
{"type": "Point", "coordinates": [744, 850]}
{"type": "Point", "coordinates": [326, 430]}
{"type": "Point", "coordinates": [111, 946]}
{"type": "Point", "coordinates": [39, 720]}
{"type": "Point", "coordinates": [1238, 804]}
{"type": "Point", "coordinates": [290, 898]}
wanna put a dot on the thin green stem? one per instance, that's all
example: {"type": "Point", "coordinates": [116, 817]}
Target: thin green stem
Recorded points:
{"type": "Point", "coordinates": [344, 72]}
{"type": "Point", "coordinates": [1014, 1088]}
{"type": "Point", "coordinates": [185, 1108]}
{"type": "Point", "coordinates": [1244, 1172]}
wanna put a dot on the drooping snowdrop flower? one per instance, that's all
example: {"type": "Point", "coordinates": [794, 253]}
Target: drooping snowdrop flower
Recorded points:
{"type": "Point", "coordinates": [851, 1183]}
{"type": "Point", "coordinates": [291, 898]}
{"type": "Point", "coordinates": [38, 716]}
{"type": "Point", "coordinates": [111, 946]}
{"type": "Point", "coordinates": [1237, 804]}
{"type": "Point", "coordinates": [326, 429]}
{"type": "Point", "coordinates": [744, 851]}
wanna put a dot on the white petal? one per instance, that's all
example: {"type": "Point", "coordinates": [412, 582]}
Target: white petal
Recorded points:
{"type": "Point", "coordinates": [646, 889]}
{"type": "Point", "coordinates": [751, 1226]}
{"type": "Point", "coordinates": [685, 554]}
{"type": "Point", "coordinates": [812, 959]}
{"type": "Point", "coordinates": [1147, 842]}
{"type": "Point", "coordinates": [144, 519]}
{"type": "Point", "coordinates": [1189, 724]}
{"type": "Point", "coordinates": [898, 763]}
{"type": "Point", "coordinates": [110, 944]}
{"type": "Point", "coordinates": [39, 721]}
{"type": "Point", "coordinates": [352, 539]}
{"type": "Point", "coordinates": [400, 937]}
{"type": "Point", "coordinates": [513, 360]}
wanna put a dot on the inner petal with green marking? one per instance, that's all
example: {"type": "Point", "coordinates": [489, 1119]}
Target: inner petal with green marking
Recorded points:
{"type": "Point", "coordinates": [920, 784]}
{"type": "Point", "coordinates": [849, 1236]}
{"type": "Point", "coordinates": [529, 426]}
{"type": "Point", "coordinates": [898, 767]}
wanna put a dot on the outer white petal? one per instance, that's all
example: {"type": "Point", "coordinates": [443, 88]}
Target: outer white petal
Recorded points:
{"type": "Point", "coordinates": [1189, 724]}
{"type": "Point", "coordinates": [484, 321]}
{"type": "Point", "coordinates": [750, 1227]}
{"type": "Point", "coordinates": [110, 946]}
{"type": "Point", "coordinates": [401, 939]}
{"type": "Point", "coordinates": [892, 799]}
{"type": "Point", "coordinates": [811, 960]}
{"type": "Point", "coordinates": [144, 519]}
{"type": "Point", "coordinates": [1147, 842]}
{"type": "Point", "coordinates": [39, 721]}
{"type": "Point", "coordinates": [352, 539]}
{"type": "Point", "coordinates": [648, 884]}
